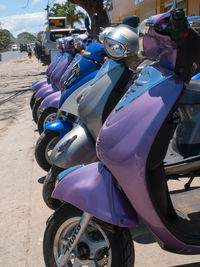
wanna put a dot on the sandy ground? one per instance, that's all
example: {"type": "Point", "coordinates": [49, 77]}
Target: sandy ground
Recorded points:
{"type": "Point", "coordinates": [22, 212]}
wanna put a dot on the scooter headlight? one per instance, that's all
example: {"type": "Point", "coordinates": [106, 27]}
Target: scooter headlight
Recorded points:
{"type": "Point", "coordinates": [121, 42]}
{"type": "Point", "coordinates": [114, 49]}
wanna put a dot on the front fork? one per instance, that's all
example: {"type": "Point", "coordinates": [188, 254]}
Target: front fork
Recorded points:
{"type": "Point", "coordinates": [74, 239]}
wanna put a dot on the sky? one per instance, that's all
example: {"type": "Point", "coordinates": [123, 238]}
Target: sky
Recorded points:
{"type": "Point", "coordinates": [19, 16]}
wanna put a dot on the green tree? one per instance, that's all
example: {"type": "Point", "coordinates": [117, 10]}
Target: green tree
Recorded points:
{"type": "Point", "coordinates": [26, 37]}
{"type": "Point", "coordinates": [39, 35]}
{"type": "Point", "coordinates": [91, 7]}
{"type": "Point", "coordinates": [68, 10]}
{"type": "Point", "coordinates": [6, 39]}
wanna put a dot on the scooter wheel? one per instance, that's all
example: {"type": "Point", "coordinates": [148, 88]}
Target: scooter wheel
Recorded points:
{"type": "Point", "coordinates": [48, 115]}
{"type": "Point", "coordinates": [49, 186]}
{"type": "Point", "coordinates": [32, 101]}
{"type": "Point", "coordinates": [43, 148]}
{"type": "Point", "coordinates": [101, 244]}
{"type": "Point", "coordinates": [35, 110]}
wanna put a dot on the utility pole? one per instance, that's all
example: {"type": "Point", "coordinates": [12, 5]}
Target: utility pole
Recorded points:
{"type": "Point", "coordinates": [47, 9]}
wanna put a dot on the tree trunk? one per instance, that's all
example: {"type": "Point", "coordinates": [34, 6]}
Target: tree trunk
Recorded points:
{"type": "Point", "coordinates": [91, 7]}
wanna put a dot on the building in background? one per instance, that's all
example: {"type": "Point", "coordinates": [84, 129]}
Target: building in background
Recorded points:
{"type": "Point", "coordinates": [145, 8]}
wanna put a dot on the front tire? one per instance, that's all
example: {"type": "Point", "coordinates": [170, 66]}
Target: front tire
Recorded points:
{"type": "Point", "coordinates": [35, 110]}
{"type": "Point", "coordinates": [32, 100]}
{"type": "Point", "coordinates": [49, 186]}
{"type": "Point", "coordinates": [100, 244]}
{"type": "Point", "coordinates": [48, 115]}
{"type": "Point", "coordinates": [43, 148]}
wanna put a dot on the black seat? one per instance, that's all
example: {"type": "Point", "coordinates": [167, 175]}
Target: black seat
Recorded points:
{"type": "Point", "coordinates": [191, 94]}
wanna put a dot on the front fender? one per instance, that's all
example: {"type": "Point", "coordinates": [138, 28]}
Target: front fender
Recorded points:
{"type": "Point", "coordinates": [52, 100]}
{"type": "Point", "coordinates": [62, 127]}
{"type": "Point", "coordinates": [76, 147]}
{"type": "Point", "coordinates": [39, 84]}
{"type": "Point", "coordinates": [45, 91]}
{"type": "Point", "coordinates": [93, 189]}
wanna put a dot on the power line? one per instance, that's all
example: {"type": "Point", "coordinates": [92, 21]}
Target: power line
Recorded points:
{"type": "Point", "coordinates": [26, 4]}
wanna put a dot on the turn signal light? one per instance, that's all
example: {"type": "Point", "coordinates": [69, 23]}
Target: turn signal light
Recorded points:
{"type": "Point", "coordinates": [82, 52]}
{"type": "Point", "coordinates": [104, 59]}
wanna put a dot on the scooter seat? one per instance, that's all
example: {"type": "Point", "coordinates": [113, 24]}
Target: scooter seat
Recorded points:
{"type": "Point", "coordinates": [177, 164]}
{"type": "Point", "coordinates": [191, 94]}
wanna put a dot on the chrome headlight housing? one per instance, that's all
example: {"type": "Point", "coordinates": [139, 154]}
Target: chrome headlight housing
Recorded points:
{"type": "Point", "coordinates": [104, 33]}
{"type": "Point", "coordinates": [121, 42]}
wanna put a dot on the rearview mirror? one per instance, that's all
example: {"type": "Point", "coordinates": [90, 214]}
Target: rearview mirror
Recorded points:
{"type": "Point", "coordinates": [87, 23]}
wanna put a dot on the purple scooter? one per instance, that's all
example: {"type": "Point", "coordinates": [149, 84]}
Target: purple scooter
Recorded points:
{"type": "Point", "coordinates": [57, 73]}
{"type": "Point", "coordinates": [58, 58]}
{"type": "Point", "coordinates": [103, 199]}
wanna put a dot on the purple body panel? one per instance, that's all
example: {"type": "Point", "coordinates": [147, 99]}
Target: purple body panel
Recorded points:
{"type": "Point", "coordinates": [52, 66]}
{"type": "Point", "coordinates": [59, 71]}
{"type": "Point", "coordinates": [159, 17]}
{"type": "Point", "coordinates": [42, 83]}
{"type": "Point", "coordinates": [124, 143]}
{"type": "Point", "coordinates": [93, 189]}
{"type": "Point", "coordinates": [46, 90]}
{"type": "Point", "coordinates": [162, 49]}
{"type": "Point", "coordinates": [66, 75]}
{"type": "Point", "coordinates": [52, 100]}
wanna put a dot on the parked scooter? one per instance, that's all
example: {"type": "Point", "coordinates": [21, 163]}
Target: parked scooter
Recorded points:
{"type": "Point", "coordinates": [79, 77]}
{"type": "Point", "coordinates": [46, 90]}
{"type": "Point", "coordinates": [58, 57]}
{"type": "Point", "coordinates": [132, 144]}
{"type": "Point", "coordinates": [94, 105]}
{"type": "Point", "coordinates": [77, 147]}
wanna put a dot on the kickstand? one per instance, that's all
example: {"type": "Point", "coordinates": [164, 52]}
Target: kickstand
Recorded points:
{"type": "Point", "coordinates": [187, 185]}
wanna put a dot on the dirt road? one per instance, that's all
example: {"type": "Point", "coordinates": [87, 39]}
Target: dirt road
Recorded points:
{"type": "Point", "coordinates": [22, 211]}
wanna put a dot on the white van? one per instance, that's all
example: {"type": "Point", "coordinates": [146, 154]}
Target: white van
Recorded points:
{"type": "Point", "coordinates": [14, 47]}
{"type": "Point", "coordinates": [49, 37]}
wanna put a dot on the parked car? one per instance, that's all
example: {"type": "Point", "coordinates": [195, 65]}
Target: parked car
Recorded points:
{"type": "Point", "coordinates": [49, 48]}
{"type": "Point", "coordinates": [23, 47]}
{"type": "Point", "coordinates": [14, 47]}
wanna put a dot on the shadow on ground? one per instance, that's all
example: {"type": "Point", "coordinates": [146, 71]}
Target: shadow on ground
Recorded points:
{"type": "Point", "coordinates": [142, 235]}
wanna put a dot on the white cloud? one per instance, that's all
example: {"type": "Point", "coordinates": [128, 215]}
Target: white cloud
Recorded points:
{"type": "Point", "coordinates": [2, 7]}
{"type": "Point", "coordinates": [35, 2]}
{"type": "Point", "coordinates": [60, 1]}
{"type": "Point", "coordinates": [30, 22]}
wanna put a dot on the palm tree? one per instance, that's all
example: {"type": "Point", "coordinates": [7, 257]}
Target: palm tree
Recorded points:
{"type": "Point", "coordinates": [68, 10]}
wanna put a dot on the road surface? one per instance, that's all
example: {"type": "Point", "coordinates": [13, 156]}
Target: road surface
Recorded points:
{"type": "Point", "coordinates": [23, 213]}
{"type": "Point", "coordinates": [11, 55]}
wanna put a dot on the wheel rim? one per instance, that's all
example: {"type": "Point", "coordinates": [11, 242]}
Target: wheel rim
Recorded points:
{"type": "Point", "coordinates": [92, 249]}
{"type": "Point", "coordinates": [49, 118]}
{"type": "Point", "coordinates": [50, 147]}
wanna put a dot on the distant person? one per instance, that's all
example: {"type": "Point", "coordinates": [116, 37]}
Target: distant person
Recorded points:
{"type": "Point", "coordinates": [29, 51]}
